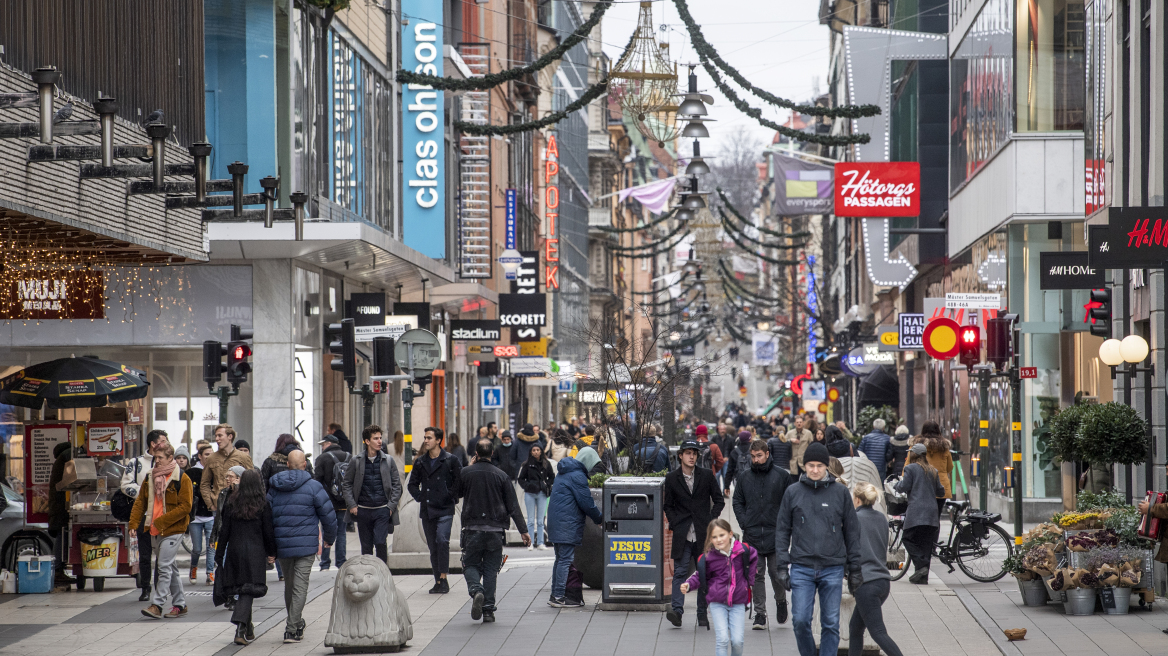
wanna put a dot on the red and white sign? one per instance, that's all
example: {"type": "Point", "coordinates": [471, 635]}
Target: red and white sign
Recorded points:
{"type": "Point", "coordinates": [876, 189]}
{"type": "Point", "coordinates": [507, 351]}
{"type": "Point", "coordinates": [1027, 372]}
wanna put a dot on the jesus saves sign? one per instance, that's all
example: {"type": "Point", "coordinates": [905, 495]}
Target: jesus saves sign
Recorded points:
{"type": "Point", "coordinates": [877, 189]}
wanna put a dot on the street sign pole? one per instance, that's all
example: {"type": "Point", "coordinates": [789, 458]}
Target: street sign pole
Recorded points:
{"type": "Point", "coordinates": [224, 393]}
{"type": "Point", "coordinates": [983, 413]}
{"type": "Point", "coordinates": [1016, 431]}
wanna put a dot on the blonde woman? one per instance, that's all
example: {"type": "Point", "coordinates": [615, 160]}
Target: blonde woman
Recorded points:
{"type": "Point", "coordinates": [870, 596]}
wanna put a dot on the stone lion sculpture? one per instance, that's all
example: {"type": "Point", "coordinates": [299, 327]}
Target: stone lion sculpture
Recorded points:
{"type": "Point", "coordinates": [368, 614]}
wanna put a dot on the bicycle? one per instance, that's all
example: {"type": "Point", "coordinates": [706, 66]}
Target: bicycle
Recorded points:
{"type": "Point", "coordinates": [980, 549]}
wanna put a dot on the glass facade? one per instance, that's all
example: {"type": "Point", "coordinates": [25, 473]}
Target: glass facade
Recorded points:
{"type": "Point", "coordinates": [981, 80]}
{"type": "Point", "coordinates": [1049, 42]}
{"type": "Point", "coordinates": [1094, 106]}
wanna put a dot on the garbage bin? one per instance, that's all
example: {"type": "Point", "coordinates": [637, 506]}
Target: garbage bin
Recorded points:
{"type": "Point", "coordinates": [634, 530]}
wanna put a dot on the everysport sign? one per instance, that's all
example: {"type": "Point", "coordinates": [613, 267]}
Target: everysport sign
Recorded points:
{"type": "Point", "coordinates": [877, 189]}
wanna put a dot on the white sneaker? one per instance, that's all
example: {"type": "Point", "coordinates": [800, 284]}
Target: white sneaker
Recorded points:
{"type": "Point", "coordinates": [543, 547]}
{"type": "Point", "coordinates": [530, 547]}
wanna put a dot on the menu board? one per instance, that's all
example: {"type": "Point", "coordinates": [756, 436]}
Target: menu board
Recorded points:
{"type": "Point", "coordinates": [104, 439]}
{"type": "Point", "coordinates": [39, 440]}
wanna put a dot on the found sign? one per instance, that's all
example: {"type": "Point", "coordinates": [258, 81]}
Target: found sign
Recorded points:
{"type": "Point", "coordinates": [973, 301]}
{"type": "Point", "coordinates": [1028, 372]}
{"type": "Point", "coordinates": [630, 550]}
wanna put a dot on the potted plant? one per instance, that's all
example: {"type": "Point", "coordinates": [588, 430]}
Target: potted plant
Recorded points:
{"type": "Point", "coordinates": [1030, 584]}
{"type": "Point", "coordinates": [1118, 569]}
{"type": "Point", "coordinates": [1111, 433]}
{"type": "Point", "coordinates": [1079, 586]}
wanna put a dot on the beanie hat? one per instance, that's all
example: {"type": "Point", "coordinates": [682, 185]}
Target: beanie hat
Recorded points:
{"type": "Point", "coordinates": [182, 451]}
{"type": "Point", "coordinates": [744, 436]}
{"type": "Point", "coordinates": [702, 429]}
{"type": "Point", "coordinates": [238, 471]}
{"type": "Point", "coordinates": [816, 452]}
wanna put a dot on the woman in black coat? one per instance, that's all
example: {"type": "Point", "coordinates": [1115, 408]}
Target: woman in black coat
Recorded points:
{"type": "Point", "coordinates": [536, 477]}
{"type": "Point", "coordinates": [247, 543]}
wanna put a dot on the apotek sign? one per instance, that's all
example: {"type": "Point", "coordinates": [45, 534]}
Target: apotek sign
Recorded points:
{"type": "Point", "coordinates": [551, 244]}
{"type": "Point", "coordinates": [423, 156]}
{"type": "Point", "coordinates": [877, 189]}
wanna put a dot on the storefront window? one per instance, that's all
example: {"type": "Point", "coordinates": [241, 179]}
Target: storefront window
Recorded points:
{"type": "Point", "coordinates": [1094, 105]}
{"type": "Point", "coordinates": [980, 83]}
{"type": "Point", "coordinates": [1050, 55]}
{"type": "Point", "coordinates": [306, 295]}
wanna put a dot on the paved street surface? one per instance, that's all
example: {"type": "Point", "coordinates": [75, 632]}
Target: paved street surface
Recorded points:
{"type": "Point", "coordinates": [951, 617]}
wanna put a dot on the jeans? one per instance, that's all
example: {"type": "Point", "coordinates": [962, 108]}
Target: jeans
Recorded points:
{"type": "Point", "coordinates": [536, 510]}
{"type": "Point", "coordinates": [296, 589]}
{"type": "Point", "coordinates": [867, 613]}
{"type": "Point", "coordinates": [201, 531]}
{"type": "Point", "coordinates": [166, 572]}
{"type": "Point", "coordinates": [918, 543]}
{"type": "Point", "coordinates": [565, 555]}
{"type": "Point", "coordinates": [482, 557]}
{"type": "Point", "coordinates": [325, 562]}
{"type": "Point", "coordinates": [146, 571]}
{"type": "Point", "coordinates": [771, 568]}
{"type": "Point", "coordinates": [681, 571]}
{"type": "Point", "coordinates": [729, 628]}
{"type": "Point", "coordinates": [805, 583]}
{"type": "Point", "coordinates": [437, 532]}
{"type": "Point", "coordinates": [373, 527]}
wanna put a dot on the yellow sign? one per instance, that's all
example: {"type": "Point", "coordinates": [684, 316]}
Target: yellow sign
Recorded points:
{"type": "Point", "coordinates": [1016, 426]}
{"type": "Point", "coordinates": [984, 423]}
{"type": "Point", "coordinates": [631, 550]}
{"type": "Point", "coordinates": [536, 349]}
{"type": "Point", "coordinates": [984, 442]}
{"type": "Point", "coordinates": [823, 408]}
{"type": "Point", "coordinates": [890, 338]}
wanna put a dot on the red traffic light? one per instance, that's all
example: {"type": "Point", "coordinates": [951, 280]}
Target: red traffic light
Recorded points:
{"type": "Point", "coordinates": [970, 338]}
{"type": "Point", "coordinates": [241, 352]}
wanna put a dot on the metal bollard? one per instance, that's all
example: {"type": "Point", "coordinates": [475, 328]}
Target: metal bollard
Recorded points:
{"type": "Point", "coordinates": [299, 198]}
{"type": "Point", "coordinates": [200, 151]}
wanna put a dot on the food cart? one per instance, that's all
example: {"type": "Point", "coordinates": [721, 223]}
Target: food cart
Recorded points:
{"type": "Point", "coordinates": [100, 546]}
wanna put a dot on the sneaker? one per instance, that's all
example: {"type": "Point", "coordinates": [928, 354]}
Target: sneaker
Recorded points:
{"type": "Point", "coordinates": [573, 603]}
{"type": "Point", "coordinates": [324, 568]}
{"type": "Point", "coordinates": [543, 547]}
{"type": "Point", "coordinates": [194, 575]}
{"type": "Point", "coordinates": [153, 611]}
{"type": "Point", "coordinates": [781, 613]}
{"type": "Point", "coordinates": [441, 586]}
{"type": "Point", "coordinates": [488, 616]}
{"type": "Point", "coordinates": [210, 578]}
{"type": "Point", "coordinates": [291, 636]}
{"type": "Point", "coordinates": [476, 607]}
{"type": "Point", "coordinates": [674, 617]}
{"type": "Point", "coordinates": [531, 547]}
{"type": "Point", "coordinates": [557, 603]}
{"type": "Point", "coordinates": [176, 611]}
{"type": "Point", "coordinates": [760, 622]}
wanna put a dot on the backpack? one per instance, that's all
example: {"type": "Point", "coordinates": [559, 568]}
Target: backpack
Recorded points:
{"type": "Point", "coordinates": [705, 458]}
{"type": "Point", "coordinates": [340, 468]}
{"type": "Point", "coordinates": [703, 585]}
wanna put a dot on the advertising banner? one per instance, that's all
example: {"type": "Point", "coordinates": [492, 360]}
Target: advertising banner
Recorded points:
{"type": "Point", "coordinates": [764, 345]}
{"type": "Point", "coordinates": [1133, 238]}
{"type": "Point", "coordinates": [54, 294]}
{"type": "Point", "coordinates": [476, 330]}
{"type": "Point", "coordinates": [878, 189]}
{"type": "Point", "coordinates": [1068, 270]}
{"type": "Point", "coordinates": [801, 187]}
{"type": "Point", "coordinates": [523, 310]}
{"type": "Point", "coordinates": [104, 439]}
{"type": "Point", "coordinates": [423, 110]}
{"type": "Point", "coordinates": [39, 441]}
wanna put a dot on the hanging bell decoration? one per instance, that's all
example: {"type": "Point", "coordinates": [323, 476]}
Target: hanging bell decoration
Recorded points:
{"type": "Point", "coordinates": [644, 82]}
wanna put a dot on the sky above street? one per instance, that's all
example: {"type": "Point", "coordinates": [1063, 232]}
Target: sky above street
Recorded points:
{"type": "Point", "coordinates": [778, 45]}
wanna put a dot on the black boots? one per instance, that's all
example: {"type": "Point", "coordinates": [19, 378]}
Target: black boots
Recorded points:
{"type": "Point", "coordinates": [441, 586]}
{"type": "Point", "coordinates": [241, 634]}
{"type": "Point", "coordinates": [145, 596]}
{"type": "Point", "coordinates": [781, 612]}
{"type": "Point", "coordinates": [920, 577]}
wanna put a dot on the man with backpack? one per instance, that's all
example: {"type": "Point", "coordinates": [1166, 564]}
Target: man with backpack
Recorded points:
{"type": "Point", "coordinates": [330, 473]}
{"type": "Point", "coordinates": [434, 485]}
{"type": "Point", "coordinates": [651, 456]}
{"type": "Point", "coordinates": [690, 500]}
{"type": "Point", "coordinates": [757, 498]}
{"type": "Point", "coordinates": [711, 457]}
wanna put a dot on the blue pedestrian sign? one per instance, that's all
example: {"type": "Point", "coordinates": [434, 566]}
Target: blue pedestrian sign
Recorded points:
{"type": "Point", "coordinates": [492, 398]}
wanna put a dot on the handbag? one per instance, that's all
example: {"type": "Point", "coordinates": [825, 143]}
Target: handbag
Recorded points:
{"type": "Point", "coordinates": [121, 506]}
{"type": "Point", "coordinates": [1149, 525]}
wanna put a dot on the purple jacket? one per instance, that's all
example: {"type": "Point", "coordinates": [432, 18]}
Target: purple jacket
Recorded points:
{"type": "Point", "coordinates": [725, 584]}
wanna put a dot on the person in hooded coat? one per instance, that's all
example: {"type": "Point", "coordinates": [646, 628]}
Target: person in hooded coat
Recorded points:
{"type": "Point", "coordinates": [738, 460]}
{"type": "Point", "coordinates": [757, 498]}
{"type": "Point", "coordinates": [896, 453]}
{"type": "Point", "coordinates": [278, 461]}
{"type": "Point", "coordinates": [837, 445]}
{"type": "Point", "coordinates": [342, 439]}
{"type": "Point", "coordinates": [571, 501]}
{"type": "Point", "coordinates": [503, 455]}
{"type": "Point", "coordinates": [247, 543]}
{"type": "Point", "coordinates": [523, 441]}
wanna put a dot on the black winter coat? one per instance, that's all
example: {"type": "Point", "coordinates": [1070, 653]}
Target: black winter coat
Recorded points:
{"type": "Point", "coordinates": [739, 458]}
{"type": "Point", "coordinates": [488, 499]}
{"type": "Point", "coordinates": [817, 526]}
{"type": "Point", "coordinates": [537, 477]}
{"type": "Point", "coordinates": [278, 462]}
{"type": "Point", "coordinates": [757, 498]}
{"type": "Point", "coordinates": [196, 476]}
{"type": "Point", "coordinates": [241, 558]}
{"type": "Point", "coordinates": [435, 488]}
{"type": "Point", "coordinates": [326, 469]}
{"type": "Point", "coordinates": [683, 508]}
{"type": "Point", "coordinates": [780, 453]}
{"type": "Point", "coordinates": [895, 454]}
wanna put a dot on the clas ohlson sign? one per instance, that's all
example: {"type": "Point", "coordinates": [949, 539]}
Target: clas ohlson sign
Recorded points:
{"type": "Point", "coordinates": [423, 155]}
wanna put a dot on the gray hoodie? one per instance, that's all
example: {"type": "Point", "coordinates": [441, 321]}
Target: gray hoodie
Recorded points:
{"type": "Point", "coordinates": [817, 526]}
{"type": "Point", "coordinates": [873, 543]}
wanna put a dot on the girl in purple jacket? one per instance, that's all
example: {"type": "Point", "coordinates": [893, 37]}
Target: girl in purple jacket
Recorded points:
{"type": "Point", "coordinates": [730, 568]}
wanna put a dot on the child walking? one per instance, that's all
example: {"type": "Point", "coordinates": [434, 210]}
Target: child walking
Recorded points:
{"type": "Point", "coordinates": [729, 566]}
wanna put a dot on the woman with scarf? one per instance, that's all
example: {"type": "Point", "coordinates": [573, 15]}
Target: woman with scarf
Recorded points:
{"type": "Point", "coordinates": [536, 477]}
{"type": "Point", "coordinates": [163, 509]}
{"type": "Point", "coordinates": [247, 544]}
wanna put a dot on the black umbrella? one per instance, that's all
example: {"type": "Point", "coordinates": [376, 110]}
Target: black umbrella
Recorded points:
{"type": "Point", "coordinates": [880, 388]}
{"type": "Point", "coordinates": [83, 382]}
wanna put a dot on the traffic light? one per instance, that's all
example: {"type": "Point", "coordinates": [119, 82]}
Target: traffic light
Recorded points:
{"type": "Point", "coordinates": [1099, 310]}
{"type": "Point", "coordinates": [343, 344]}
{"type": "Point", "coordinates": [213, 366]}
{"type": "Point", "coordinates": [238, 354]}
{"type": "Point", "coordinates": [999, 347]}
{"type": "Point", "coordinates": [383, 362]}
{"type": "Point", "coordinates": [970, 343]}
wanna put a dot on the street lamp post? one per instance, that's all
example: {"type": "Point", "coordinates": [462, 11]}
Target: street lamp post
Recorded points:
{"type": "Point", "coordinates": [1132, 350]}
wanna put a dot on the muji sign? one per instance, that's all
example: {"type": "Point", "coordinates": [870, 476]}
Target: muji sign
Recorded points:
{"type": "Point", "coordinates": [877, 189]}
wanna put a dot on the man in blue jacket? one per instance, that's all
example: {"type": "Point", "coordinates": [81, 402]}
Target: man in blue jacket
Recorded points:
{"type": "Point", "coordinates": [299, 503]}
{"type": "Point", "coordinates": [651, 456]}
{"type": "Point", "coordinates": [874, 444]}
{"type": "Point", "coordinates": [571, 500]}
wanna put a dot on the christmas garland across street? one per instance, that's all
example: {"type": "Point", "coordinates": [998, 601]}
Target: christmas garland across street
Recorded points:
{"type": "Point", "coordinates": [730, 227]}
{"type": "Point", "coordinates": [776, 233]}
{"type": "Point", "coordinates": [491, 80]}
{"type": "Point", "coordinates": [731, 282]}
{"type": "Point", "coordinates": [593, 92]}
{"type": "Point", "coordinates": [640, 256]}
{"type": "Point", "coordinates": [748, 249]}
{"type": "Point", "coordinates": [664, 217]}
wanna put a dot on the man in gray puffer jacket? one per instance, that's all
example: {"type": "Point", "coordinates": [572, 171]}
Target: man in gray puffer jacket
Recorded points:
{"type": "Point", "coordinates": [818, 535]}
